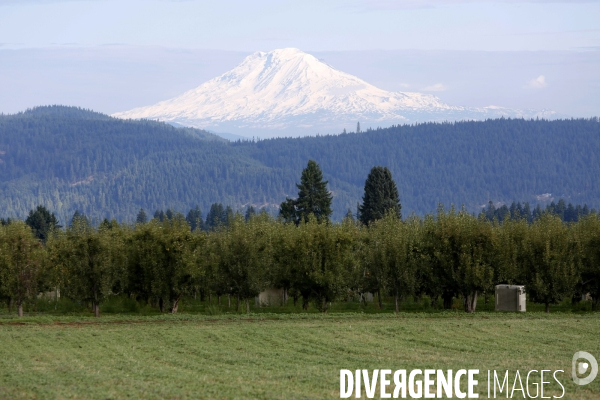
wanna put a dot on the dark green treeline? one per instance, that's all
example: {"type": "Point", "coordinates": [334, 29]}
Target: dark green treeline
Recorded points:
{"type": "Point", "coordinates": [449, 255]}
{"type": "Point", "coordinates": [71, 159]}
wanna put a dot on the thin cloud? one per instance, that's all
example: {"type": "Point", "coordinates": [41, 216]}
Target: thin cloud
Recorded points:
{"type": "Point", "coordinates": [20, 2]}
{"type": "Point", "coordinates": [438, 87]}
{"type": "Point", "coordinates": [537, 83]}
{"type": "Point", "coordinates": [408, 4]}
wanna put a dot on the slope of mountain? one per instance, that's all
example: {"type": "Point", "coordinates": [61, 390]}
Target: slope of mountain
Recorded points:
{"type": "Point", "coordinates": [68, 159]}
{"type": "Point", "coordinates": [289, 92]}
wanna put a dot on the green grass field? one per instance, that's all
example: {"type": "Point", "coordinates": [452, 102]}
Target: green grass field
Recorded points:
{"type": "Point", "coordinates": [276, 355]}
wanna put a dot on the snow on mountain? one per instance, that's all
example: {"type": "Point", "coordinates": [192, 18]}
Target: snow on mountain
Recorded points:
{"type": "Point", "coordinates": [287, 92]}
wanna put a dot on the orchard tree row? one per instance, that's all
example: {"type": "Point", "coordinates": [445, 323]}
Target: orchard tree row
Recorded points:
{"type": "Point", "coordinates": [447, 255]}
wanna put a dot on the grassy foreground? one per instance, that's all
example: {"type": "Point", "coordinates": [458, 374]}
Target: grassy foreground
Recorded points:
{"type": "Point", "coordinates": [276, 356]}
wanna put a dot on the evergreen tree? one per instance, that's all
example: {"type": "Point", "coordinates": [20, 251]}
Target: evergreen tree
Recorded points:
{"type": "Point", "coordinates": [537, 213]}
{"type": "Point", "coordinates": [250, 212]}
{"type": "Point", "coordinates": [216, 217]}
{"type": "Point", "coordinates": [313, 197]}
{"type": "Point", "coordinates": [79, 218]}
{"type": "Point", "coordinates": [229, 215]}
{"type": "Point", "coordinates": [194, 218]}
{"type": "Point", "coordinates": [570, 214]}
{"type": "Point", "coordinates": [159, 215]}
{"type": "Point", "coordinates": [287, 210]}
{"type": "Point", "coordinates": [42, 222]}
{"type": "Point", "coordinates": [527, 212]}
{"type": "Point", "coordinates": [513, 211]}
{"type": "Point", "coordinates": [349, 216]}
{"type": "Point", "coordinates": [560, 209]}
{"type": "Point", "coordinates": [381, 196]}
{"type": "Point", "coordinates": [141, 217]}
{"type": "Point", "coordinates": [490, 213]}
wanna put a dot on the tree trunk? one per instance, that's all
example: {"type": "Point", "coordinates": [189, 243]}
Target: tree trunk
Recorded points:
{"type": "Point", "coordinates": [20, 308]}
{"type": "Point", "coordinates": [379, 299]}
{"type": "Point", "coordinates": [175, 305]}
{"type": "Point", "coordinates": [161, 304]}
{"type": "Point", "coordinates": [304, 303]}
{"type": "Point", "coordinates": [295, 297]}
{"type": "Point", "coordinates": [547, 307]}
{"type": "Point", "coordinates": [447, 301]}
{"type": "Point", "coordinates": [324, 305]}
{"type": "Point", "coordinates": [10, 304]}
{"type": "Point", "coordinates": [96, 307]}
{"type": "Point", "coordinates": [470, 302]}
{"type": "Point", "coordinates": [247, 306]}
{"type": "Point", "coordinates": [418, 298]}
{"type": "Point", "coordinates": [219, 300]}
{"type": "Point", "coordinates": [396, 300]}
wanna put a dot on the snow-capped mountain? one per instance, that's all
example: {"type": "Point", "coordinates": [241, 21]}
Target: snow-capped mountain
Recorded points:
{"type": "Point", "coordinates": [287, 92]}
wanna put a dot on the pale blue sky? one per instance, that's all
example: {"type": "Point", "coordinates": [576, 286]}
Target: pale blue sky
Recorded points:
{"type": "Point", "coordinates": [314, 25]}
{"type": "Point", "coordinates": [115, 55]}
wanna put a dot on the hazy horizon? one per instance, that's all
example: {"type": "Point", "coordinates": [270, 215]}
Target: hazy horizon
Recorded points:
{"type": "Point", "coordinates": [113, 56]}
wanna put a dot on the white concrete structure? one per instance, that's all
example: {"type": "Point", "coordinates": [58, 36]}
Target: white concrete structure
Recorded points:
{"type": "Point", "coordinates": [511, 298]}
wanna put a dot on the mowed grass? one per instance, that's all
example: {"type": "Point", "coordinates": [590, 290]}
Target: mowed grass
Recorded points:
{"type": "Point", "coordinates": [277, 356]}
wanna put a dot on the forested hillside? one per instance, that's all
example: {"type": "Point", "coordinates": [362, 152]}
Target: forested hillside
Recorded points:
{"type": "Point", "coordinates": [72, 159]}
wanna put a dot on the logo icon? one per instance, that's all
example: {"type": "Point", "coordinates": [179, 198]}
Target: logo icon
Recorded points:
{"type": "Point", "coordinates": [580, 368]}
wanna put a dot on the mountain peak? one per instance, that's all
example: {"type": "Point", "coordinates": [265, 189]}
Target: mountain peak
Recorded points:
{"type": "Point", "coordinates": [285, 52]}
{"type": "Point", "coordinates": [290, 92]}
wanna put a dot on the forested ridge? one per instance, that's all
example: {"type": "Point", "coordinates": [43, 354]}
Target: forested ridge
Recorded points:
{"type": "Point", "coordinates": [72, 159]}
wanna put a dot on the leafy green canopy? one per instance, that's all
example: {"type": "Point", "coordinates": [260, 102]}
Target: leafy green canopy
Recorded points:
{"type": "Point", "coordinates": [450, 255]}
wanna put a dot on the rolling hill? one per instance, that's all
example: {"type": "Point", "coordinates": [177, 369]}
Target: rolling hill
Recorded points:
{"type": "Point", "coordinates": [72, 159]}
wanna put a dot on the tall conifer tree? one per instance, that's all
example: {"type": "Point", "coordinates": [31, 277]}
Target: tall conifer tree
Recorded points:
{"type": "Point", "coordinates": [313, 197]}
{"type": "Point", "coordinates": [194, 218]}
{"type": "Point", "coordinates": [381, 196]}
{"type": "Point", "coordinates": [142, 218]}
{"type": "Point", "coordinates": [42, 222]}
